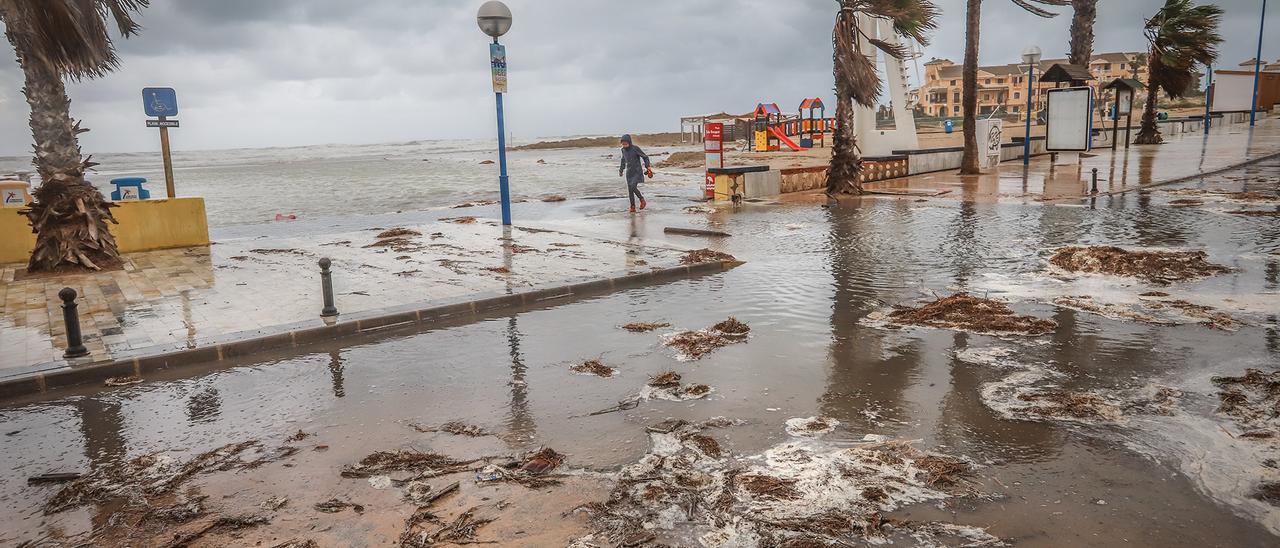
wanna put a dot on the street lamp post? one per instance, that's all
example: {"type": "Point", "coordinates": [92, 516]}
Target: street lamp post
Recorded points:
{"type": "Point", "coordinates": [1257, 67]}
{"type": "Point", "coordinates": [1030, 56]}
{"type": "Point", "coordinates": [1208, 99]}
{"type": "Point", "coordinates": [494, 19]}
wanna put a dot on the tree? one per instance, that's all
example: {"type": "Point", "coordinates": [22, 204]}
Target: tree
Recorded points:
{"type": "Point", "coordinates": [1084, 13]}
{"type": "Point", "coordinates": [969, 101]}
{"type": "Point", "coordinates": [856, 78]}
{"type": "Point", "coordinates": [1182, 35]}
{"type": "Point", "coordinates": [57, 39]}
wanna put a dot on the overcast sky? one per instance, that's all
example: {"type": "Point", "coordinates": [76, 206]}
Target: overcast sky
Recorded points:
{"type": "Point", "coordinates": [253, 73]}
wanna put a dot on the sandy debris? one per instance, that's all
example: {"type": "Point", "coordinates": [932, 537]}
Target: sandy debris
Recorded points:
{"type": "Point", "coordinates": [397, 232]}
{"type": "Point", "coordinates": [1113, 311]}
{"type": "Point", "coordinates": [334, 505]}
{"type": "Point", "coordinates": [476, 203]}
{"type": "Point", "coordinates": [644, 327]}
{"type": "Point", "coordinates": [593, 367]}
{"type": "Point", "coordinates": [457, 428]}
{"type": "Point", "coordinates": [693, 345]}
{"type": "Point", "coordinates": [811, 427]}
{"type": "Point", "coordinates": [1159, 267]}
{"type": "Point", "coordinates": [460, 220]}
{"type": "Point", "coordinates": [426, 465]}
{"type": "Point", "coordinates": [1186, 202]}
{"type": "Point", "coordinates": [123, 381]}
{"type": "Point", "coordinates": [699, 256]}
{"type": "Point", "coordinates": [667, 386]}
{"type": "Point", "coordinates": [553, 198]}
{"type": "Point", "coordinates": [1255, 212]}
{"type": "Point", "coordinates": [965, 312]}
{"type": "Point", "coordinates": [795, 494]}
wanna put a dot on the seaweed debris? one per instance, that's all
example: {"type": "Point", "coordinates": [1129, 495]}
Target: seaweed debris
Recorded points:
{"type": "Point", "coordinates": [593, 367]}
{"type": "Point", "coordinates": [1159, 267]}
{"type": "Point", "coordinates": [644, 327]}
{"type": "Point", "coordinates": [699, 256]}
{"type": "Point", "coordinates": [965, 312]}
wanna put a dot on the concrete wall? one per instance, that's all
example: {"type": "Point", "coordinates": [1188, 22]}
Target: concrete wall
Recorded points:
{"type": "Point", "coordinates": [144, 225]}
{"type": "Point", "coordinates": [802, 179]}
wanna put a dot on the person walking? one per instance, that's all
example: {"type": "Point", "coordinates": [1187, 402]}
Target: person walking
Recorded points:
{"type": "Point", "coordinates": [631, 160]}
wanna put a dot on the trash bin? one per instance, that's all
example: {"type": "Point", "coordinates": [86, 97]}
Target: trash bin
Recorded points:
{"type": "Point", "coordinates": [1162, 116]}
{"type": "Point", "coordinates": [15, 193]}
{"type": "Point", "coordinates": [948, 126]}
{"type": "Point", "coordinates": [129, 188]}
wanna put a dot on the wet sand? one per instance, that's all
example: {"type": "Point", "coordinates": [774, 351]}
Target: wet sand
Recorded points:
{"type": "Point", "coordinates": [1175, 476]}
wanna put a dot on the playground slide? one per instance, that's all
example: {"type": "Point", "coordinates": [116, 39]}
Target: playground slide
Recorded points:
{"type": "Point", "coordinates": [777, 132]}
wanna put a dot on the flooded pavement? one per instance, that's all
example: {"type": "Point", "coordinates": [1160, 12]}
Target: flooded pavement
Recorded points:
{"type": "Point", "coordinates": [1134, 419]}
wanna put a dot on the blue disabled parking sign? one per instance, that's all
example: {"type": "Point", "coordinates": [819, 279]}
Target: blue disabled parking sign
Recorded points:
{"type": "Point", "coordinates": [160, 101]}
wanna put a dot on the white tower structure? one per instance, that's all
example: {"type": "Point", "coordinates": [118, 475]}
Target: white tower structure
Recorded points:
{"type": "Point", "coordinates": [882, 142]}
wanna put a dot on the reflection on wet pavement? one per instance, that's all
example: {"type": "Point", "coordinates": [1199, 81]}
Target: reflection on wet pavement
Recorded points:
{"type": "Point", "coordinates": [812, 277]}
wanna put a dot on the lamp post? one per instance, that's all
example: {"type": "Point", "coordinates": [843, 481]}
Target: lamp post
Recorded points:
{"type": "Point", "coordinates": [1208, 98]}
{"type": "Point", "coordinates": [494, 19]}
{"type": "Point", "coordinates": [1030, 56]}
{"type": "Point", "coordinates": [1257, 67]}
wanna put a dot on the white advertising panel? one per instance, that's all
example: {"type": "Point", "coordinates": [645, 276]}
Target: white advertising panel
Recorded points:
{"type": "Point", "coordinates": [1069, 119]}
{"type": "Point", "coordinates": [990, 134]}
{"type": "Point", "coordinates": [1232, 92]}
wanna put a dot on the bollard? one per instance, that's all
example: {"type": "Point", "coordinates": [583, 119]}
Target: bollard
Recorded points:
{"type": "Point", "coordinates": [326, 283]}
{"type": "Point", "coordinates": [70, 317]}
{"type": "Point", "coordinates": [1094, 187]}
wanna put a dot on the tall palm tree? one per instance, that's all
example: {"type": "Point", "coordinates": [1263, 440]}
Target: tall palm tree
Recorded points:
{"type": "Point", "coordinates": [1083, 14]}
{"type": "Point", "coordinates": [57, 39]}
{"type": "Point", "coordinates": [969, 100]}
{"type": "Point", "coordinates": [1182, 35]}
{"type": "Point", "coordinates": [856, 78]}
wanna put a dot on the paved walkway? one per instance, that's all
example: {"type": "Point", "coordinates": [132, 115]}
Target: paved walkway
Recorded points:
{"type": "Point", "coordinates": [1182, 155]}
{"type": "Point", "coordinates": [175, 299]}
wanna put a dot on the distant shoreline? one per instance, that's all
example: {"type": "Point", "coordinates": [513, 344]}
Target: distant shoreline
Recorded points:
{"type": "Point", "coordinates": [642, 139]}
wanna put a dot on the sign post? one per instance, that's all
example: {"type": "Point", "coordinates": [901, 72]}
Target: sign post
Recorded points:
{"type": "Point", "coordinates": [713, 143]}
{"type": "Point", "coordinates": [162, 103]}
{"type": "Point", "coordinates": [498, 65]}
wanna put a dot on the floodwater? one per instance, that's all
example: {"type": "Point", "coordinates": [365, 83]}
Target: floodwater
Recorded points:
{"type": "Point", "coordinates": [813, 279]}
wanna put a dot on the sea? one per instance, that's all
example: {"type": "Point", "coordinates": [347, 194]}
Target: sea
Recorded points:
{"type": "Point", "coordinates": [253, 185]}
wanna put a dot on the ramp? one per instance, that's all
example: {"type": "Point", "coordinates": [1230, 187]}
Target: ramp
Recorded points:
{"type": "Point", "coordinates": [785, 140]}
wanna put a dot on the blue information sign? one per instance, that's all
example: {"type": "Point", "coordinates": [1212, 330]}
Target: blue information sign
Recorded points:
{"type": "Point", "coordinates": [160, 101]}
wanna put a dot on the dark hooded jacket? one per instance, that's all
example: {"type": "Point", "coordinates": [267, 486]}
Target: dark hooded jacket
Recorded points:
{"type": "Point", "coordinates": [632, 159]}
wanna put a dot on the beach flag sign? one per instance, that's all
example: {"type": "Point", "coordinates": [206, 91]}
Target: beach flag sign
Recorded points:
{"type": "Point", "coordinates": [498, 64]}
{"type": "Point", "coordinates": [713, 144]}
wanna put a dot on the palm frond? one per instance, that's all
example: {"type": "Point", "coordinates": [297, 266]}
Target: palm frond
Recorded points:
{"type": "Point", "coordinates": [1182, 36]}
{"type": "Point", "coordinates": [855, 74]}
{"type": "Point", "coordinates": [1031, 7]}
{"type": "Point", "coordinates": [69, 37]}
{"type": "Point", "coordinates": [913, 19]}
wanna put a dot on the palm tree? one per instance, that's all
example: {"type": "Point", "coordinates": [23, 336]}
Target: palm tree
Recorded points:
{"type": "Point", "coordinates": [856, 78]}
{"type": "Point", "coordinates": [57, 39]}
{"type": "Point", "coordinates": [1182, 35]}
{"type": "Point", "coordinates": [1084, 12]}
{"type": "Point", "coordinates": [969, 100]}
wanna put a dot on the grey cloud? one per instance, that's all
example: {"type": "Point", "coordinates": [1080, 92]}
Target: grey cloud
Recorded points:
{"type": "Point", "coordinates": [290, 72]}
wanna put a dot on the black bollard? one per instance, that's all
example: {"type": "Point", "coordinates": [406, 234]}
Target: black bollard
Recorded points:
{"type": "Point", "coordinates": [326, 283]}
{"type": "Point", "coordinates": [1094, 187]}
{"type": "Point", "coordinates": [70, 317]}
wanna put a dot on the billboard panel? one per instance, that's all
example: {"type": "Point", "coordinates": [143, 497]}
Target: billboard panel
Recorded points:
{"type": "Point", "coordinates": [1069, 119]}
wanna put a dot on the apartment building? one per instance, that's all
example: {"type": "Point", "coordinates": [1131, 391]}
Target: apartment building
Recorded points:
{"type": "Point", "coordinates": [1002, 89]}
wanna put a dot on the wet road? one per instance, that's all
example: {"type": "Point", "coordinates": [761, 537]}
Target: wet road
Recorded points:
{"type": "Point", "coordinates": [812, 277]}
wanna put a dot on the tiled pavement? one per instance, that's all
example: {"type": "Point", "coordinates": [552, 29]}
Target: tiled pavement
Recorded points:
{"type": "Point", "coordinates": [1181, 155]}
{"type": "Point", "coordinates": [172, 299]}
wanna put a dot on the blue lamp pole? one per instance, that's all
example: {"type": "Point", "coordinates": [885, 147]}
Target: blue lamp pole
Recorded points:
{"type": "Point", "coordinates": [494, 19]}
{"type": "Point", "coordinates": [1257, 67]}
{"type": "Point", "coordinates": [1031, 56]}
{"type": "Point", "coordinates": [1208, 98]}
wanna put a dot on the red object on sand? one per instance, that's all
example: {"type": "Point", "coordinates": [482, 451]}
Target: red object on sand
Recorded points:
{"type": "Point", "coordinates": [283, 217]}
{"type": "Point", "coordinates": [648, 172]}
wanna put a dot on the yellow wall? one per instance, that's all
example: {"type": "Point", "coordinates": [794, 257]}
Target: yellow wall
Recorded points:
{"type": "Point", "coordinates": [144, 225]}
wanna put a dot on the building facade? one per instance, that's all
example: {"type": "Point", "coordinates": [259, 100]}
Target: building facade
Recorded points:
{"type": "Point", "coordinates": [1002, 89]}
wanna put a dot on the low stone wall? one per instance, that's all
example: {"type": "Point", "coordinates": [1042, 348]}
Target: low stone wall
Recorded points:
{"type": "Point", "coordinates": [804, 178]}
{"type": "Point", "coordinates": [144, 225]}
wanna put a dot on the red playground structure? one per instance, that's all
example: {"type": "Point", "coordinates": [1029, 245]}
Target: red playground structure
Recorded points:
{"type": "Point", "coordinates": [772, 129]}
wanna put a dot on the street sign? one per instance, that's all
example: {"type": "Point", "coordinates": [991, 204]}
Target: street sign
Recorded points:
{"type": "Point", "coordinates": [498, 65]}
{"type": "Point", "coordinates": [713, 146]}
{"type": "Point", "coordinates": [162, 123]}
{"type": "Point", "coordinates": [159, 102]}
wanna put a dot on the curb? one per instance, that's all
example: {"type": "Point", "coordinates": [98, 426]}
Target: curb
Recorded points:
{"type": "Point", "coordinates": [42, 379]}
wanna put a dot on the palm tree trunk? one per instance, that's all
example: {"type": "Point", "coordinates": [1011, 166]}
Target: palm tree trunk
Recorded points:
{"type": "Point", "coordinates": [844, 172]}
{"type": "Point", "coordinates": [1084, 14]}
{"type": "Point", "coordinates": [969, 163]}
{"type": "Point", "coordinates": [69, 215]}
{"type": "Point", "coordinates": [1149, 132]}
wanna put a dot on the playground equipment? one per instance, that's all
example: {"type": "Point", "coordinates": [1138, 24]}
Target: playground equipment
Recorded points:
{"type": "Point", "coordinates": [812, 129]}
{"type": "Point", "coordinates": [767, 116]}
